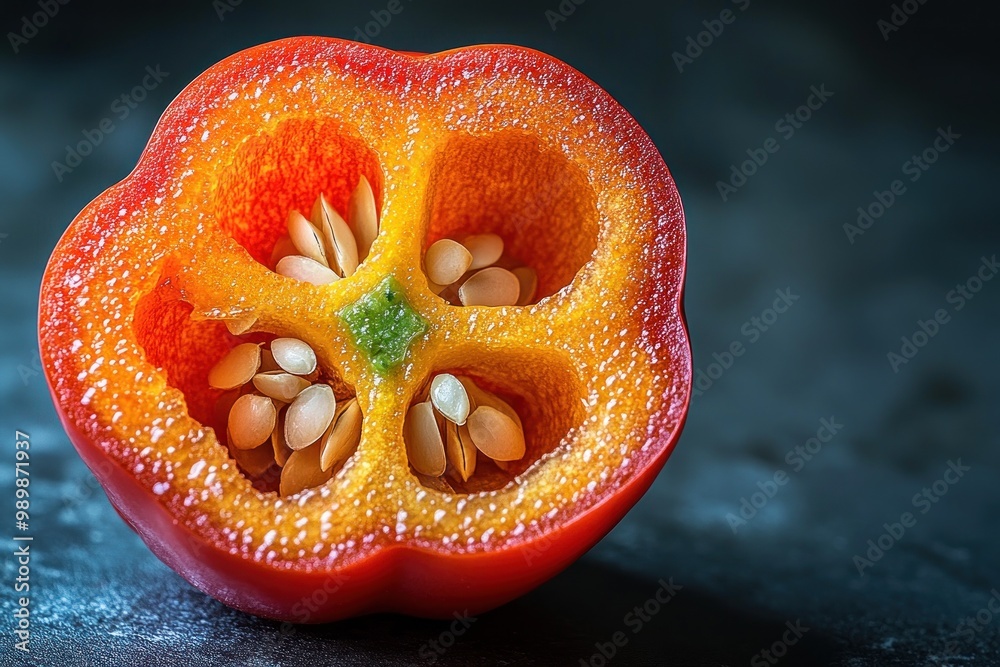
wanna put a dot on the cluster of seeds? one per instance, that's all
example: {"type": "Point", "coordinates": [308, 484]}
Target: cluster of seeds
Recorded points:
{"type": "Point", "coordinates": [279, 414]}
{"type": "Point", "coordinates": [326, 247]}
{"type": "Point", "coordinates": [467, 273]}
{"type": "Point", "coordinates": [454, 419]}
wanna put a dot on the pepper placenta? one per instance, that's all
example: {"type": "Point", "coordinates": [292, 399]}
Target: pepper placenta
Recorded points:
{"type": "Point", "coordinates": [246, 330]}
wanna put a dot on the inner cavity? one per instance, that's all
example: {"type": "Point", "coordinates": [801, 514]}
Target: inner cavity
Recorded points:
{"type": "Point", "coordinates": [286, 169]}
{"type": "Point", "coordinates": [543, 393]}
{"type": "Point", "coordinates": [226, 369]}
{"type": "Point", "coordinates": [538, 202]}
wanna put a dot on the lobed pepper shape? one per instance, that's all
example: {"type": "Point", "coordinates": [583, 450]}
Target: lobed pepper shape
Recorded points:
{"type": "Point", "coordinates": [136, 299]}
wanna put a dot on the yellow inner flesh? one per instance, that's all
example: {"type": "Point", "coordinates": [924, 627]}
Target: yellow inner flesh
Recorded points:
{"type": "Point", "coordinates": [569, 365]}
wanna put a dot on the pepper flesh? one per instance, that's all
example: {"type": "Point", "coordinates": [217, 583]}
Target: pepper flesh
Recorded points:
{"type": "Point", "coordinates": [482, 139]}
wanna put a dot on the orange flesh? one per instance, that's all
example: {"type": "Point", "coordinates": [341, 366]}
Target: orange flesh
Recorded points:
{"type": "Point", "coordinates": [144, 331]}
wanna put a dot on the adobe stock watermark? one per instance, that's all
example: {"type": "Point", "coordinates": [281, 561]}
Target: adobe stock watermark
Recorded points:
{"type": "Point", "coordinates": [752, 329]}
{"type": "Point", "coordinates": [786, 126]}
{"type": "Point", "coordinates": [223, 7]}
{"type": "Point", "coordinates": [432, 650]}
{"type": "Point", "coordinates": [779, 649]}
{"type": "Point", "coordinates": [22, 541]}
{"type": "Point", "coordinates": [86, 487]}
{"type": "Point", "coordinates": [968, 628]}
{"type": "Point", "coordinates": [30, 25]}
{"type": "Point", "coordinates": [381, 18]}
{"type": "Point", "coordinates": [923, 501]}
{"type": "Point", "coordinates": [914, 168]}
{"type": "Point", "coordinates": [562, 12]}
{"type": "Point", "coordinates": [535, 549]}
{"type": "Point", "coordinates": [696, 45]}
{"type": "Point", "coordinates": [635, 620]}
{"type": "Point", "coordinates": [121, 108]}
{"type": "Point", "coordinates": [796, 458]}
{"type": "Point", "coordinates": [957, 298]}
{"type": "Point", "coordinates": [303, 610]}
{"type": "Point", "coordinates": [900, 14]}
{"type": "Point", "coordinates": [31, 370]}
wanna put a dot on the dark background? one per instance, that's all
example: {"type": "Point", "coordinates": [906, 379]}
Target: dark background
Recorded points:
{"type": "Point", "coordinates": [99, 597]}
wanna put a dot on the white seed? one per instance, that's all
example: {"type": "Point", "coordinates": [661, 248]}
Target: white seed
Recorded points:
{"type": "Point", "coordinates": [236, 368]}
{"type": "Point", "coordinates": [309, 416]}
{"type": "Point", "coordinates": [460, 450]}
{"type": "Point", "coordinates": [485, 248]}
{"type": "Point", "coordinates": [363, 216]}
{"type": "Point", "coordinates": [490, 287]}
{"type": "Point", "coordinates": [302, 471]}
{"type": "Point", "coordinates": [251, 421]}
{"type": "Point", "coordinates": [279, 385]}
{"type": "Point", "coordinates": [306, 238]}
{"type": "Point", "coordinates": [424, 445]}
{"type": "Point", "coordinates": [495, 434]}
{"type": "Point", "coordinates": [306, 270]}
{"type": "Point", "coordinates": [240, 325]}
{"type": "Point", "coordinates": [342, 437]}
{"type": "Point", "coordinates": [472, 389]}
{"type": "Point", "coordinates": [283, 247]}
{"type": "Point", "coordinates": [293, 355]}
{"type": "Point", "coordinates": [450, 398]}
{"type": "Point", "coordinates": [479, 396]}
{"type": "Point", "coordinates": [528, 279]}
{"type": "Point", "coordinates": [281, 449]}
{"type": "Point", "coordinates": [446, 261]}
{"type": "Point", "coordinates": [341, 246]}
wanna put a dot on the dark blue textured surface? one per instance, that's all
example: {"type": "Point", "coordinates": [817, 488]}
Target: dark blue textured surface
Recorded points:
{"type": "Point", "coordinates": [100, 598]}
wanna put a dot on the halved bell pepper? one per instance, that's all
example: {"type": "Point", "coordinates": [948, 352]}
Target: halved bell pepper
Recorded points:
{"type": "Point", "coordinates": [162, 275]}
